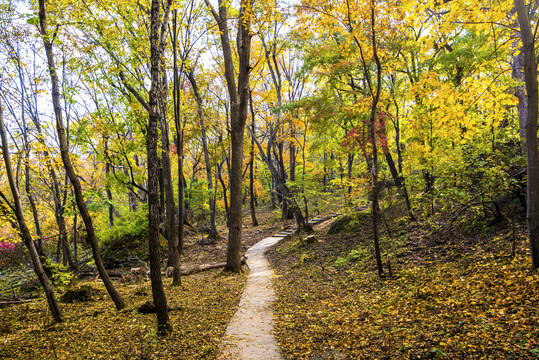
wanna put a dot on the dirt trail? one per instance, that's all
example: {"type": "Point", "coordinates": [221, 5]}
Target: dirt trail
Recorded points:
{"type": "Point", "coordinates": [249, 333]}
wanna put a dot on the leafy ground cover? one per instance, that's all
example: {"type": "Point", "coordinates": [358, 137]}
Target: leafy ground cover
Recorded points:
{"type": "Point", "coordinates": [94, 330]}
{"type": "Point", "coordinates": [451, 295]}
{"type": "Point", "coordinates": [201, 310]}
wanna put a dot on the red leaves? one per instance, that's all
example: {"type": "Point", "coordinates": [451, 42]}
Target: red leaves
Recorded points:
{"type": "Point", "coordinates": [359, 136]}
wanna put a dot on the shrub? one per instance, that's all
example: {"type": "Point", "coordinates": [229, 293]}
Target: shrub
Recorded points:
{"type": "Point", "coordinates": [129, 231]}
{"type": "Point", "coordinates": [59, 277]}
{"type": "Point", "coordinates": [10, 254]}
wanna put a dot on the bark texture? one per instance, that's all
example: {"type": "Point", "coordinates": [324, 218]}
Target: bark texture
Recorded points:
{"type": "Point", "coordinates": [156, 51]}
{"type": "Point", "coordinates": [530, 75]}
{"type": "Point", "coordinates": [239, 97]}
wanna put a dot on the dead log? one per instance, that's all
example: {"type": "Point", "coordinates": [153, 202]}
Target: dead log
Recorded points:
{"type": "Point", "coordinates": [5, 302]}
{"type": "Point", "coordinates": [199, 268]}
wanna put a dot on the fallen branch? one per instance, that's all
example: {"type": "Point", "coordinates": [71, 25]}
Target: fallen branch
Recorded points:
{"type": "Point", "coordinates": [4, 302]}
{"type": "Point", "coordinates": [199, 268]}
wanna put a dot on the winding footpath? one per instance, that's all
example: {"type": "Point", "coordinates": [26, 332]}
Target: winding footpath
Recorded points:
{"type": "Point", "coordinates": [249, 333]}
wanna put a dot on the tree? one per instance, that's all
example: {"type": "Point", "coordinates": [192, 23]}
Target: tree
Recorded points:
{"type": "Point", "coordinates": [532, 152]}
{"type": "Point", "coordinates": [200, 111]}
{"type": "Point", "coordinates": [23, 228]}
{"type": "Point", "coordinates": [48, 43]}
{"type": "Point", "coordinates": [239, 101]}
{"type": "Point", "coordinates": [157, 44]}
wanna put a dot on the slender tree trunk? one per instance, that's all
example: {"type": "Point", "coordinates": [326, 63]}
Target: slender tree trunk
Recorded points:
{"type": "Point", "coordinates": [350, 164]}
{"type": "Point", "coordinates": [375, 94]}
{"type": "Point", "coordinates": [170, 212]}
{"type": "Point", "coordinates": [156, 51]}
{"type": "Point", "coordinates": [23, 228]}
{"type": "Point", "coordinates": [170, 216]}
{"type": "Point", "coordinates": [530, 75]}
{"type": "Point", "coordinates": [301, 221]}
{"type": "Point", "coordinates": [28, 186]}
{"type": "Point", "coordinates": [108, 167]}
{"type": "Point", "coordinates": [399, 182]}
{"type": "Point", "coordinates": [75, 252]}
{"type": "Point", "coordinates": [251, 165]}
{"type": "Point", "coordinates": [200, 110]}
{"type": "Point", "coordinates": [114, 294]}
{"type": "Point", "coordinates": [518, 73]}
{"type": "Point", "coordinates": [176, 277]}
{"type": "Point", "coordinates": [225, 196]}
{"type": "Point", "coordinates": [375, 206]}
{"type": "Point", "coordinates": [285, 200]}
{"type": "Point", "coordinates": [325, 176]}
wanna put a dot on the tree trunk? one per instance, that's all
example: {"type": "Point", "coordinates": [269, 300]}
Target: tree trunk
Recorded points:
{"type": "Point", "coordinates": [170, 215]}
{"type": "Point", "coordinates": [301, 221]}
{"type": "Point", "coordinates": [399, 182]}
{"type": "Point", "coordinates": [239, 97]}
{"type": "Point", "coordinates": [108, 168]}
{"type": "Point", "coordinates": [375, 207]}
{"type": "Point", "coordinates": [225, 196]}
{"type": "Point", "coordinates": [200, 110]}
{"type": "Point", "coordinates": [23, 228]}
{"type": "Point", "coordinates": [114, 294]}
{"type": "Point", "coordinates": [156, 51]}
{"type": "Point", "coordinates": [518, 73]}
{"type": "Point", "coordinates": [28, 186]}
{"type": "Point", "coordinates": [530, 75]}
{"type": "Point", "coordinates": [176, 277]}
{"type": "Point", "coordinates": [350, 164]}
{"type": "Point", "coordinates": [251, 165]}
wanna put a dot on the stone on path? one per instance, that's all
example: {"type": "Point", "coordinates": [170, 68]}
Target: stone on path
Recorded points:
{"type": "Point", "coordinates": [249, 333]}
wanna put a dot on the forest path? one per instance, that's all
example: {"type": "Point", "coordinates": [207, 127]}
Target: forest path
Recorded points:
{"type": "Point", "coordinates": [249, 333]}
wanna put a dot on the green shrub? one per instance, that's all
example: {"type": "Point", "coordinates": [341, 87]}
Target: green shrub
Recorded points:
{"type": "Point", "coordinates": [353, 256]}
{"type": "Point", "coordinates": [60, 277]}
{"type": "Point", "coordinates": [130, 231]}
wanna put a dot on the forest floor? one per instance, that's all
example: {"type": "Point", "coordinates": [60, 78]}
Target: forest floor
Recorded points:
{"type": "Point", "coordinates": [201, 310]}
{"type": "Point", "coordinates": [446, 293]}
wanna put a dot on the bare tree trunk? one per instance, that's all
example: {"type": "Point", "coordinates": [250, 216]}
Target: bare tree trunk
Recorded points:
{"type": "Point", "coordinates": [530, 75]}
{"type": "Point", "coordinates": [225, 196]}
{"type": "Point", "coordinates": [350, 164]}
{"type": "Point", "coordinates": [375, 95]}
{"type": "Point", "coordinates": [399, 182]}
{"type": "Point", "coordinates": [200, 109]}
{"type": "Point", "coordinates": [518, 73]}
{"type": "Point", "coordinates": [239, 97]}
{"type": "Point", "coordinates": [114, 294]}
{"type": "Point", "coordinates": [301, 221]}
{"type": "Point", "coordinates": [28, 186]}
{"type": "Point", "coordinates": [23, 228]}
{"type": "Point", "coordinates": [375, 206]}
{"type": "Point", "coordinates": [251, 164]}
{"type": "Point", "coordinates": [156, 51]}
{"type": "Point", "coordinates": [170, 216]}
{"type": "Point", "coordinates": [108, 167]}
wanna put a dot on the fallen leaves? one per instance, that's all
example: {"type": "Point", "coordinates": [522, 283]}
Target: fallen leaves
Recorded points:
{"type": "Point", "coordinates": [95, 330]}
{"type": "Point", "coordinates": [481, 304]}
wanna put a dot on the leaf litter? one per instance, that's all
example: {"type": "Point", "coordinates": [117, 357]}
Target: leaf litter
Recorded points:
{"type": "Point", "coordinates": [451, 296]}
